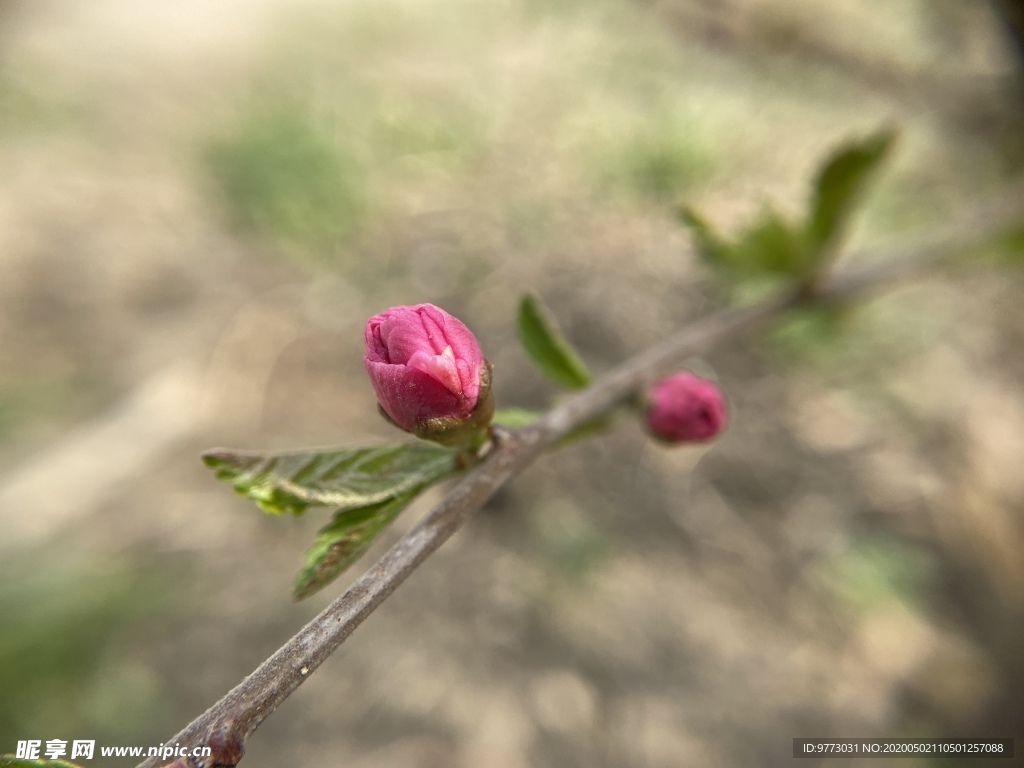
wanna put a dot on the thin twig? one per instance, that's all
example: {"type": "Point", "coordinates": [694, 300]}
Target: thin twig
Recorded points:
{"type": "Point", "coordinates": [228, 724]}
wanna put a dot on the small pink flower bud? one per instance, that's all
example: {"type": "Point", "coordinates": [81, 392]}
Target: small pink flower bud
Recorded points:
{"type": "Point", "coordinates": [428, 372]}
{"type": "Point", "coordinates": [685, 408]}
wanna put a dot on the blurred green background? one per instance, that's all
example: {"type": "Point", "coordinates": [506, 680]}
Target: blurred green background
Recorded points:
{"type": "Point", "coordinates": [200, 205]}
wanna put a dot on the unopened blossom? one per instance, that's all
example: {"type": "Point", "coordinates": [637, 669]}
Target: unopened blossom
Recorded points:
{"type": "Point", "coordinates": [685, 408]}
{"type": "Point", "coordinates": [427, 370]}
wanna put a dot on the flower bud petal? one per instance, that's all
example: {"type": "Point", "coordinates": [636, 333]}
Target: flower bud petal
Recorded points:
{"type": "Point", "coordinates": [685, 408]}
{"type": "Point", "coordinates": [424, 365]}
{"type": "Point", "coordinates": [441, 367]}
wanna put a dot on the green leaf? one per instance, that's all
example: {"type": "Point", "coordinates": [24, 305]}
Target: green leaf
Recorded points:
{"type": "Point", "coordinates": [840, 186]}
{"type": "Point", "coordinates": [548, 348]}
{"type": "Point", "coordinates": [514, 418]}
{"type": "Point", "coordinates": [343, 542]}
{"type": "Point", "coordinates": [346, 478]}
{"type": "Point", "coordinates": [368, 488]}
{"type": "Point", "coordinates": [773, 245]}
{"type": "Point", "coordinates": [770, 246]}
{"type": "Point", "coordinates": [10, 761]}
{"type": "Point", "coordinates": [710, 245]}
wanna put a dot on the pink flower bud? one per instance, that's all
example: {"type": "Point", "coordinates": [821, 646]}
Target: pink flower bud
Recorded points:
{"type": "Point", "coordinates": [685, 408]}
{"type": "Point", "coordinates": [427, 370]}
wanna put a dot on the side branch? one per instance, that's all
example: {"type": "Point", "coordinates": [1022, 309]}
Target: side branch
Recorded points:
{"type": "Point", "coordinates": [226, 726]}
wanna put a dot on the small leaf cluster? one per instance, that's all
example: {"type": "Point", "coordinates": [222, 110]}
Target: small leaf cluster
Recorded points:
{"type": "Point", "coordinates": [365, 488]}
{"type": "Point", "coordinates": [775, 247]}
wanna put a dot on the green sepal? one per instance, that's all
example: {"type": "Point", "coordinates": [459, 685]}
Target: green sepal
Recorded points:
{"type": "Point", "coordinates": [470, 432]}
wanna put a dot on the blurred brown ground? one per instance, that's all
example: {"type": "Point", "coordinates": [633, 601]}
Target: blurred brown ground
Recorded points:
{"type": "Point", "coordinates": [845, 561]}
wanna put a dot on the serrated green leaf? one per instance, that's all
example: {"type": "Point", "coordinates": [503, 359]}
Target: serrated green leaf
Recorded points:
{"type": "Point", "coordinates": [341, 543]}
{"type": "Point", "coordinates": [840, 186]}
{"type": "Point", "coordinates": [345, 478]}
{"type": "Point", "coordinates": [514, 418]}
{"type": "Point", "coordinates": [548, 348]}
{"type": "Point", "coordinates": [10, 761]}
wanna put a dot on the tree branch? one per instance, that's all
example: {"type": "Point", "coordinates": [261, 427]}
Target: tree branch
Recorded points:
{"type": "Point", "coordinates": [228, 724]}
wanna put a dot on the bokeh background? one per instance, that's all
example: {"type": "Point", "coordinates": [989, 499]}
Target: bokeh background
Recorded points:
{"type": "Point", "coordinates": [200, 205]}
